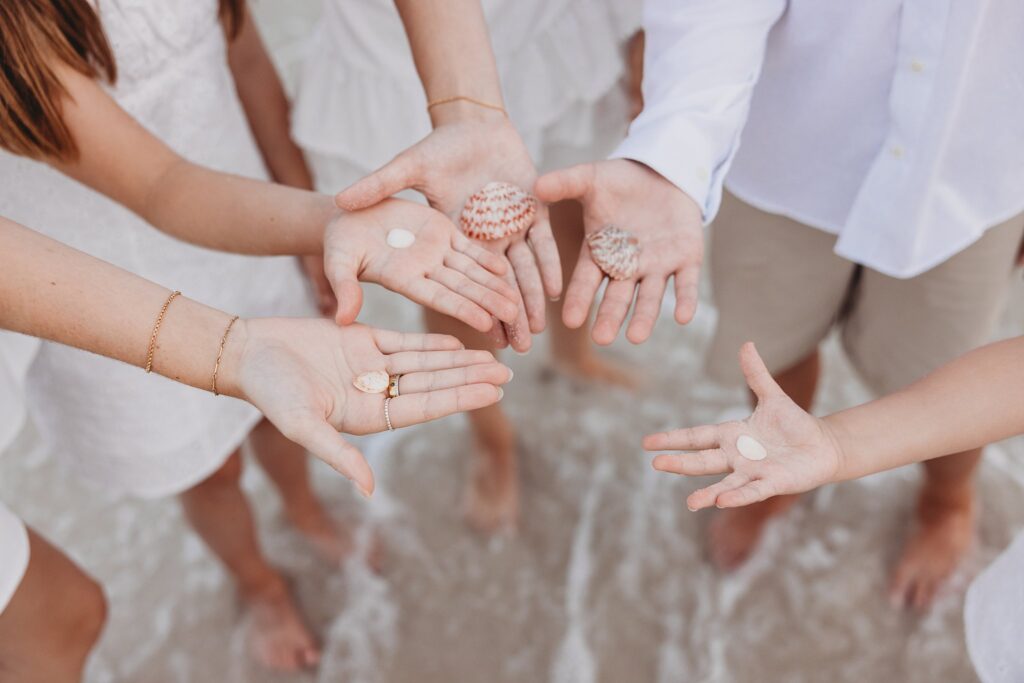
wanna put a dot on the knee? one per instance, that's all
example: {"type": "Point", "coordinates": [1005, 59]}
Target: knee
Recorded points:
{"type": "Point", "coordinates": [228, 475]}
{"type": "Point", "coordinates": [92, 613]}
{"type": "Point", "coordinates": [82, 617]}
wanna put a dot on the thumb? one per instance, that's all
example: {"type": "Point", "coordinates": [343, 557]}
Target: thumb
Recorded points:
{"type": "Point", "coordinates": [758, 378]}
{"type": "Point", "coordinates": [324, 442]}
{"type": "Point", "coordinates": [399, 174]}
{"type": "Point", "coordinates": [566, 183]}
{"type": "Point", "coordinates": [345, 283]}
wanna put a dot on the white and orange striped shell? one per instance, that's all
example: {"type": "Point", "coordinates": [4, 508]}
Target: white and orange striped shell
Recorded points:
{"type": "Point", "coordinates": [616, 252]}
{"type": "Point", "coordinates": [372, 382]}
{"type": "Point", "coordinates": [497, 210]}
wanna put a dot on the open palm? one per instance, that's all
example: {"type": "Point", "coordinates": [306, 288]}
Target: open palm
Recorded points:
{"type": "Point", "coordinates": [449, 165]}
{"type": "Point", "coordinates": [442, 269]}
{"type": "Point", "coordinates": [802, 453]}
{"type": "Point", "coordinates": [300, 373]}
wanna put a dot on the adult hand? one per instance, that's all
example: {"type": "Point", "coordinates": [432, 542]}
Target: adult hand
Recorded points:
{"type": "Point", "coordinates": [668, 225]}
{"type": "Point", "coordinates": [300, 373]}
{"type": "Point", "coordinates": [451, 163]}
{"type": "Point", "coordinates": [442, 268]}
{"type": "Point", "coordinates": [803, 453]}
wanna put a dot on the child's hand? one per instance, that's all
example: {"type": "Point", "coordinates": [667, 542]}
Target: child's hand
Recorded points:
{"type": "Point", "coordinates": [802, 453]}
{"type": "Point", "coordinates": [326, 302]}
{"type": "Point", "coordinates": [441, 269]}
{"type": "Point", "coordinates": [300, 373]}
{"type": "Point", "coordinates": [450, 164]}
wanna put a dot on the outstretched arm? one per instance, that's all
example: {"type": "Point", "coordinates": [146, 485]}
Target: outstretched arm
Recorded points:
{"type": "Point", "coordinates": [701, 61]}
{"type": "Point", "coordinates": [472, 145]}
{"type": "Point", "coordinates": [299, 373]}
{"type": "Point", "coordinates": [974, 400]}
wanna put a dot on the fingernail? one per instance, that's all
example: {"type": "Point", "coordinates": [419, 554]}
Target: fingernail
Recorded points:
{"type": "Point", "coordinates": [501, 393]}
{"type": "Point", "coordinates": [690, 508]}
{"type": "Point", "coordinates": [510, 375]}
{"type": "Point", "coordinates": [520, 353]}
{"type": "Point", "coordinates": [555, 299]}
{"type": "Point", "coordinates": [363, 492]}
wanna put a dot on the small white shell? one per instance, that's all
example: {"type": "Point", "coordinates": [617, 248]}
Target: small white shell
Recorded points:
{"type": "Point", "coordinates": [399, 238]}
{"type": "Point", "coordinates": [373, 382]}
{"type": "Point", "coordinates": [497, 210]}
{"type": "Point", "coordinates": [616, 252]}
{"type": "Point", "coordinates": [750, 448]}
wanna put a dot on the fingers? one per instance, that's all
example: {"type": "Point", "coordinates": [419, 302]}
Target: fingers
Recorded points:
{"type": "Point", "coordinates": [545, 250]}
{"type": "Point", "coordinates": [758, 378]}
{"type": "Point", "coordinates": [566, 183]}
{"type": "Point", "coordinates": [399, 174]}
{"type": "Point", "coordinates": [480, 275]}
{"type": "Point", "coordinates": [431, 405]}
{"type": "Point", "coordinates": [696, 464]}
{"type": "Point", "coordinates": [393, 342]}
{"type": "Point", "coordinates": [489, 260]}
{"type": "Point", "coordinates": [440, 298]}
{"type": "Point", "coordinates": [648, 307]}
{"type": "Point", "coordinates": [406, 362]}
{"type": "Point", "coordinates": [324, 442]}
{"type": "Point", "coordinates": [686, 281]}
{"type": "Point", "coordinates": [754, 492]}
{"type": "Point", "coordinates": [706, 497]}
{"type": "Point", "coordinates": [618, 297]}
{"type": "Point", "coordinates": [343, 273]}
{"type": "Point", "coordinates": [692, 439]}
{"type": "Point", "coordinates": [488, 300]}
{"type": "Point", "coordinates": [484, 373]}
{"type": "Point", "coordinates": [530, 284]}
{"type": "Point", "coordinates": [583, 286]}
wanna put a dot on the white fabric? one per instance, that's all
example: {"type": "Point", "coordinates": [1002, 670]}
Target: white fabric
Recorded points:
{"type": "Point", "coordinates": [361, 101]}
{"type": "Point", "coordinates": [893, 123]}
{"type": "Point", "coordinates": [118, 426]}
{"type": "Point", "coordinates": [994, 618]}
{"type": "Point", "coordinates": [14, 552]}
{"type": "Point", "coordinates": [16, 353]}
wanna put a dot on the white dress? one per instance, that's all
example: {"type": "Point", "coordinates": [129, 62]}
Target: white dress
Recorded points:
{"type": "Point", "coordinates": [994, 617]}
{"type": "Point", "coordinates": [128, 431]}
{"type": "Point", "coordinates": [360, 101]}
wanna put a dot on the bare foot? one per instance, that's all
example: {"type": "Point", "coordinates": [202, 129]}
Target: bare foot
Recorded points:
{"type": "Point", "coordinates": [591, 366]}
{"type": "Point", "coordinates": [733, 534]}
{"type": "Point", "coordinates": [331, 541]}
{"type": "Point", "coordinates": [942, 536]}
{"type": "Point", "coordinates": [492, 490]}
{"type": "Point", "coordinates": [277, 636]}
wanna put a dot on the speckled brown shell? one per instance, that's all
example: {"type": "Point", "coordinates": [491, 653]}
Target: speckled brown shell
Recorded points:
{"type": "Point", "coordinates": [497, 210]}
{"type": "Point", "coordinates": [373, 382]}
{"type": "Point", "coordinates": [616, 252]}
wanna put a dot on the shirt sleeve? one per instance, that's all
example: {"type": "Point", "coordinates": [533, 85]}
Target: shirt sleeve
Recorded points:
{"type": "Point", "coordinates": [701, 61]}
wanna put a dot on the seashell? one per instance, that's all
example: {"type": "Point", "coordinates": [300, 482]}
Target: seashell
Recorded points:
{"type": "Point", "coordinates": [373, 382]}
{"type": "Point", "coordinates": [400, 238]}
{"type": "Point", "coordinates": [497, 210]}
{"type": "Point", "coordinates": [616, 252]}
{"type": "Point", "coordinates": [750, 448]}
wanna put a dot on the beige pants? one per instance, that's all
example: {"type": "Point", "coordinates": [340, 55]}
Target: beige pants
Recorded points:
{"type": "Point", "coordinates": [778, 282]}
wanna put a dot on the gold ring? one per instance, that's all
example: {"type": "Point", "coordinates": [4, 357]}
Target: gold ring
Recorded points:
{"type": "Point", "coordinates": [393, 391]}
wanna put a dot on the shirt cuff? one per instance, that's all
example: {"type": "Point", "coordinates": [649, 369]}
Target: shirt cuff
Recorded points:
{"type": "Point", "coordinates": [682, 155]}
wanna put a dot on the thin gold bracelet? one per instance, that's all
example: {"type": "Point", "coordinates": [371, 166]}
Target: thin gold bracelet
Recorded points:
{"type": "Point", "coordinates": [220, 354]}
{"type": "Point", "coordinates": [463, 98]}
{"type": "Point", "coordinates": [156, 331]}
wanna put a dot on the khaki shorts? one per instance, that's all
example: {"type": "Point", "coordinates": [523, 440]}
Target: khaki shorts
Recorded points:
{"type": "Point", "coordinates": [778, 282]}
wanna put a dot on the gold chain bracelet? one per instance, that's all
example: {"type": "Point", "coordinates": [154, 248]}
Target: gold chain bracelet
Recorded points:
{"type": "Point", "coordinates": [220, 354]}
{"type": "Point", "coordinates": [463, 98]}
{"type": "Point", "coordinates": [156, 331]}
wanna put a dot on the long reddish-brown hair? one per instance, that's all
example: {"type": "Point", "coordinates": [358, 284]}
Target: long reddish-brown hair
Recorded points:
{"type": "Point", "coordinates": [34, 33]}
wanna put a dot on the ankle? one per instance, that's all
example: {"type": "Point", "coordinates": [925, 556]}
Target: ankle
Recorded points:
{"type": "Point", "coordinates": [266, 586]}
{"type": "Point", "coordinates": [934, 503]}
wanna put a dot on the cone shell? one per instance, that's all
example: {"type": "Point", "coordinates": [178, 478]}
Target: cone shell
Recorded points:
{"type": "Point", "coordinates": [373, 382]}
{"type": "Point", "coordinates": [497, 210]}
{"type": "Point", "coordinates": [616, 252]}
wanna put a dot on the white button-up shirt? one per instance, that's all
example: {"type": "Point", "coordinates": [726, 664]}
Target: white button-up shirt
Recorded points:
{"type": "Point", "coordinates": [897, 125]}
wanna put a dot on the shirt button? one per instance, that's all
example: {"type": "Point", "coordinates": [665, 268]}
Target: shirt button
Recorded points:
{"type": "Point", "coordinates": [917, 66]}
{"type": "Point", "coordinates": [896, 151]}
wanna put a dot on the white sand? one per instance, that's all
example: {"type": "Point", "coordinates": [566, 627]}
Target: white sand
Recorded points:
{"type": "Point", "coordinates": [607, 581]}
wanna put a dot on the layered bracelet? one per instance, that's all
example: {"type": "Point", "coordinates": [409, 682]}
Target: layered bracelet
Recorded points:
{"type": "Point", "coordinates": [151, 351]}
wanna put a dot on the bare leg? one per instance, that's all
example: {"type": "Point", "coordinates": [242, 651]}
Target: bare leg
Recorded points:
{"type": "Point", "coordinates": [52, 622]}
{"type": "Point", "coordinates": [734, 533]}
{"type": "Point", "coordinates": [219, 512]}
{"type": "Point", "coordinates": [573, 351]}
{"type": "Point", "coordinates": [491, 499]}
{"type": "Point", "coordinates": [287, 466]}
{"type": "Point", "coordinates": [943, 531]}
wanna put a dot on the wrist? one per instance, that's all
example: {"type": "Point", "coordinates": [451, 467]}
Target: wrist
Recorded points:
{"type": "Point", "coordinates": [232, 361]}
{"type": "Point", "coordinates": [834, 429]}
{"type": "Point", "coordinates": [456, 111]}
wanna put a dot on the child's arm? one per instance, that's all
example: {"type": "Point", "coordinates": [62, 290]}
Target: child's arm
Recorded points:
{"type": "Point", "coordinates": [297, 372]}
{"type": "Point", "coordinates": [121, 159]}
{"type": "Point", "coordinates": [975, 400]}
{"type": "Point", "coordinates": [266, 106]}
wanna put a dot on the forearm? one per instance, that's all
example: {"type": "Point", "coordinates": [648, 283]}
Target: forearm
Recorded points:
{"type": "Point", "coordinates": [266, 107]}
{"type": "Point", "coordinates": [452, 50]}
{"type": "Point", "coordinates": [52, 291]}
{"type": "Point", "coordinates": [975, 400]}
